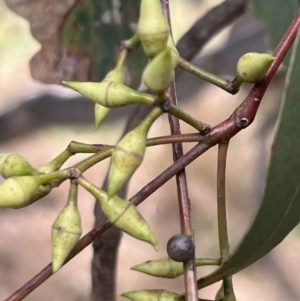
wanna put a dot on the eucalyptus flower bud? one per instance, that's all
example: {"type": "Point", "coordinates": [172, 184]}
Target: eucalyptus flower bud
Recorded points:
{"type": "Point", "coordinates": [163, 267]}
{"type": "Point", "coordinates": [153, 295]}
{"type": "Point", "coordinates": [19, 192]}
{"type": "Point", "coordinates": [117, 76]}
{"type": "Point", "coordinates": [128, 154]}
{"type": "Point", "coordinates": [159, 73]}
{"type": "Point", "coordinates": [153, 29]}
{"type": "Point", "coordinates": [167, 268]}
{"type": "Point", "coordinates": [14, 165]}
{"type": "Point", "coordinates": [123, 214]}
{"type": "Point", "coordinates": [252, 67]}
{"type": "Point", "coordinates": [110, 94]}
{"type": "Point", "coordinates": [66, 230]}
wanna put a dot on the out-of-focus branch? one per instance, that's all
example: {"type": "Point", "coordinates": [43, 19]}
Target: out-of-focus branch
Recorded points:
{"type": "Point", "coordinates": [206, 27]}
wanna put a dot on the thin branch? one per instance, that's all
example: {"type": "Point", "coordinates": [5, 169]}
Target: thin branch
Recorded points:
{"type": "Point", "coordinates": [211, 23]}
{"type": "Point", "coordinates": [221, 200]}
{"type": "Point", "coordinates": [222, 219]}
{"type": "Point", "coordinates": [190, 272]}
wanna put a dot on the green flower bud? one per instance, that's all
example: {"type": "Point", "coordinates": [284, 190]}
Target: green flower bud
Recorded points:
{"type": "Point", "coordinates": [128, 154]}
{"type": "Point", "coordinates": [153, 295]}
{"type": "Point", "coordinates": [66, 230]}
{"type": "Point", "coordinates": [163, 267]}
{"type": "Point", "coordinates": [167, 268]}
{"type": "Point", "coordinates": [159, 73]}
{"type": "Point", "coordinates": [14, 165]}
{"type": "Point", "coordinates": [123, 214]}
{"type": "Point", "coordinates": [153, 29]}
{"type": "Point", "coordinates": [252, 67]}
{"type": "Point", "coordinates": [116, 76]}
{"type": "Point", "coordinates": [110, 94]}
{"type": "Point", "coordinates": [19, 192]}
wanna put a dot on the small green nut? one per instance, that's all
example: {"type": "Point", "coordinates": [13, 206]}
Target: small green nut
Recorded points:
{"type": "Point", "coordinates": [159, 73]}
{"type": "Point", "coordinates": [19, 192]}
{"type": "Point", "coordinates": [66, 230]}
{"type": "Point", "coordinates": [12, 165]}
{"type": "Point", "coordinates": [252, 67]}
{"type": "Point", "coordinates": [128, 154]}
{"type": "Point", "coordinates": [110, 94]}
{"type": "Point", "coordinates": [153, 29]}
{"type": "Point", "coordinates": [153, 295]}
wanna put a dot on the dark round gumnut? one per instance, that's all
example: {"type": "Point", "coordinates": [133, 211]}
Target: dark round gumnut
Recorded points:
{"type": "Point", "coordinates": [181, 248]}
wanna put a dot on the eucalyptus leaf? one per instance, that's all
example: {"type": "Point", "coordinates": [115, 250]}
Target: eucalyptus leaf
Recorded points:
{"type": "Point", "coordinates": [279, 211]}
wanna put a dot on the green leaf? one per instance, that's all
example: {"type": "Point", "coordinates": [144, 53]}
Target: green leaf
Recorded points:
{"type": "Point", "coordinates": [279, 210]}
{"type": "Point", "coordinates": [277, 16]}
{"type": "Point", "coordinates": [97, 29]}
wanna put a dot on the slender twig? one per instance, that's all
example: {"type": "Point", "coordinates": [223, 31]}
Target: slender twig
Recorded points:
{"type": "Point", "coordinates": [222, 220]}
{"type": "Point", "coordinates": [209, 77]}
{"type": "Point", "coordinates": [190, 272]}
{"type": "Point", "coordinates": [221, 201]}
{"type": "Point", "coordinates": [211, 23]}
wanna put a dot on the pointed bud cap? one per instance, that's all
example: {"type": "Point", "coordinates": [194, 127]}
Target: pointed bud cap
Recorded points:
{"type": "Point", "coordinates": [252, 67]}
{"type": "Point", "coordinates": [15, 165]}
{"type": "Point", "coordinates": [117, 74]}
{"type": "Point", "coordinates": [110, 94]}
{"type": "Point", "coordinates": [153, 295]}
{"type": "Point", "coordinates": [153, 29]}
{"type": "Point", "coordinates": [159, 73]}
{"type": "Point", "coordinates": [66, 230]}
{"type": "Point", "coordinates": [123, 214]}
{"type": "Point", "coordinates": [100, 114]}
{"type": "Point", "coordinates": [163, 267]}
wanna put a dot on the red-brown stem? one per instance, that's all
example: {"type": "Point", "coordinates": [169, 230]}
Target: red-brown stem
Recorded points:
{"type": "Point", "coordinates": [190, 272]}
{"type": "Point", "coordinates": [224, 131]}
{"type": "Point", "coordinates": [181, 138]}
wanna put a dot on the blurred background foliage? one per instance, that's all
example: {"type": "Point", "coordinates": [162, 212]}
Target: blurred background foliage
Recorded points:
{"type": "Point", "coordinates": [25, 234]}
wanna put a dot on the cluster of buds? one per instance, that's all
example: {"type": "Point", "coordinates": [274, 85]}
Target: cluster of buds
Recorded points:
{"type": "Point", "coordinates": [24, 184]}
